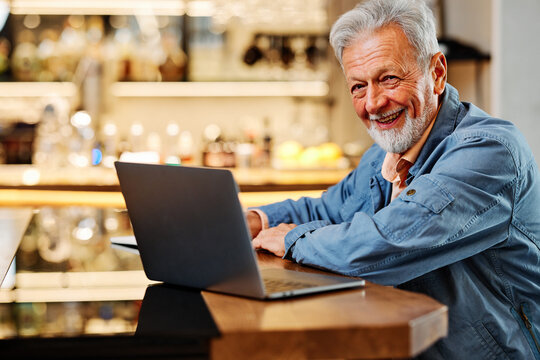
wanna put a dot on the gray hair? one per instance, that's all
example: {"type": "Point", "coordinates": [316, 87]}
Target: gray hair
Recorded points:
{"type": "Point", "coordinates": [414, 17]}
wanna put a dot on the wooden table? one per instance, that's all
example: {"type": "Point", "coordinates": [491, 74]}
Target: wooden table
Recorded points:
{"type": "Point", "coordinates": [371, 322]}
{"type": "Point", "coordinates": [374, 322]}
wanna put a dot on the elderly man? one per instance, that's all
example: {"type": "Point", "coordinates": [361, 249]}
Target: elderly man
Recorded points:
{"type": "Point", "coordinates": [446, 202]}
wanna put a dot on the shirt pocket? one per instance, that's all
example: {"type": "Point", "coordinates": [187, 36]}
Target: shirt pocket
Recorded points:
{"type": "Point", "coordinates": [428, 193]}
{"type": "Point", "coordinates": [490, 348]}
{"type": "Point", "coordinates": [354, 203]}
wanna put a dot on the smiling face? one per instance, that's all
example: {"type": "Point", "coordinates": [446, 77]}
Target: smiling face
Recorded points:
{"type": "Point", "coordinates": [391, 94]}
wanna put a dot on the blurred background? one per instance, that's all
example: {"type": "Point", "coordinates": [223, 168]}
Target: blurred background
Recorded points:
{"type": "Point", "coordinates": [239, 83]}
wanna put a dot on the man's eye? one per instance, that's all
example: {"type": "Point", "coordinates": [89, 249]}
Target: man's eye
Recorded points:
{"type": "Point", "coordinates": [390, 79]}
{"type": "Point", "coordinates": [356, 87]}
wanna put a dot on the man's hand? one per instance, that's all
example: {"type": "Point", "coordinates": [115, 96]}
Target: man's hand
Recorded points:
{"type": "Point", "coordinates": [273, 239]}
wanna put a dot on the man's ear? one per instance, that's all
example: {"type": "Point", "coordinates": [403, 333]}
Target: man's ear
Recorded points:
{"type": "Point", "coordinates": [438, 72]}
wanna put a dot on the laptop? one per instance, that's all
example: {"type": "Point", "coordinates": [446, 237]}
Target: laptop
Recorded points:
{"type": "Point", "coordinates": [191, 231]}
{"type": "Point", "coordinates": [13, 223]}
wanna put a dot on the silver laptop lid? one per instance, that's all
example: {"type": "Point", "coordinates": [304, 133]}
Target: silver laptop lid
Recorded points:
{"type": "Point", "coordinates": [190, 227]}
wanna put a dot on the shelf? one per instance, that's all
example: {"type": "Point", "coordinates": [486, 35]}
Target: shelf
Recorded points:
{"type": "Point", "coordinates": [97, 7]}
{"type": "Point", "coordinates": [221, 89]}
{"type": "Point", "coordinates": [457, 51]}
{"type": "Point", "coordinates": [172, 89]}
{"type": "Point", "coordinates": [37, 89]}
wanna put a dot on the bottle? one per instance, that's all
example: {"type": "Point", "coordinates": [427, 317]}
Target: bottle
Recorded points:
{"type": "Point", "coordinates": [185, 147]}
{"type": "Point", "coordinates": [217, 152]}
{"type": "Point", "coordinates": [266, 156]}
{"type": "Point", "coordinates": [212, 150]}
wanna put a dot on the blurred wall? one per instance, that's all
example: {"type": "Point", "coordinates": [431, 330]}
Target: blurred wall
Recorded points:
{"type": "Point", "coordinates": [470, 22]}
{"type": "Point", "coordinates": [516, 52]}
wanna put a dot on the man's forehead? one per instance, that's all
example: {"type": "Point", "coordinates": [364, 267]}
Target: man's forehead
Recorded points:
{"type": "Point", "coordinates": [385, 48]}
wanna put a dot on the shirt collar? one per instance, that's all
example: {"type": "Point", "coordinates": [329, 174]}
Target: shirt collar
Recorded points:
{"type": "Point", "coordinates": [447, 120]}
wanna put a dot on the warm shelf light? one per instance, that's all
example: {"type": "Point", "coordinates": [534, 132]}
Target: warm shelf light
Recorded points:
{"type": "Point", "coordinates": [200, 8]}
{"type": "Point", "coordinates": [98, 7]}
{"type": "Point", "coordinates": [37, 89]}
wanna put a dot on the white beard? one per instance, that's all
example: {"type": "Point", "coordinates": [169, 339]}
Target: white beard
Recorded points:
{"type": "Point", "coordinates": [398, 141]}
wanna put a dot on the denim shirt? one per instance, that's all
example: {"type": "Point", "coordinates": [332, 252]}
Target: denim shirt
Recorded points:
{"type": "Point", "coordinates": [465, 231]}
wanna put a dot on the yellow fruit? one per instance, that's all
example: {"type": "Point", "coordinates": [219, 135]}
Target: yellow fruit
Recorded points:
{"type": "Point", "coordinates": [310, 157]}
{"type": "Point", "coordinates": [330, 151]}
{"type": "Point", "coordinates": [289, 150]}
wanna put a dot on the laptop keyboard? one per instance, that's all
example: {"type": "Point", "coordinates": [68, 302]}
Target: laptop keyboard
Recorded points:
{"type": "Point", "coordinates": [281, 285]}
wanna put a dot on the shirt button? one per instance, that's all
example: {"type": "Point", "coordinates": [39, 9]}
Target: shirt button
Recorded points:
{"type": "Point", "coordinates": [411, 192]}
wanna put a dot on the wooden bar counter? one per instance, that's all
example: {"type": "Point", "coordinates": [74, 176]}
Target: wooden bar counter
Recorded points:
{"type": "Point", "coordinates": [104, 179]}
{"type": "Point", "coordinates": [31, 197]}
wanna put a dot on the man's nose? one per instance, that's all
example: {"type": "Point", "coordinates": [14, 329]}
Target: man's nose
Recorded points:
{"type": "Point", "coordinates": [375, 99]}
